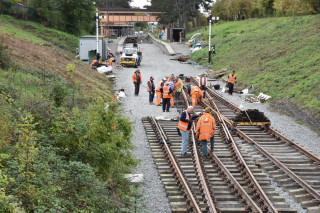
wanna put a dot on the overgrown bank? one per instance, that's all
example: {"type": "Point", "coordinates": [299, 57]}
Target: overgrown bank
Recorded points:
{"type": "Point", "coordinates": [62, 149]}
{"type": "Point", "coordinates": [278, 56]}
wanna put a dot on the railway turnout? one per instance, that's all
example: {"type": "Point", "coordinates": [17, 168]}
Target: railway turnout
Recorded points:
{"type": "Point", "coordinates": [243, 173]}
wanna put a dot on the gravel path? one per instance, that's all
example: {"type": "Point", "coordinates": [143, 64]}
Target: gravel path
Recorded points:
{"type": "Point", "coordinates": [158, 64]}
{"type": "Point", "coordinates": [154, 63]}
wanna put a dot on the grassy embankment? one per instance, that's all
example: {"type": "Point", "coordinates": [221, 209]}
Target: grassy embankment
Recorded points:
{"type": "Point", "coordinates": [60, 148]}
{"type": "Point", "coordinates": [278, 56]}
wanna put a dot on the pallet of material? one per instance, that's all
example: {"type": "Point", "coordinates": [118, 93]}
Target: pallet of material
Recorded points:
{"type": "Point", "coordinates": [251, 117]}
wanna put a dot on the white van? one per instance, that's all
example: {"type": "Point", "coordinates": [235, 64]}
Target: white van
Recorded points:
{"type": "Point", "coordinates": [140, 32]}
{"type": "Point", "coordinates": [136, 33]}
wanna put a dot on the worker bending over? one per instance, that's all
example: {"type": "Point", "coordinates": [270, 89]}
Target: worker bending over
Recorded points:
{"type": "Point", "coordinates": [205, 130]}
{"type": "Point", "coordinates": [195, 93]}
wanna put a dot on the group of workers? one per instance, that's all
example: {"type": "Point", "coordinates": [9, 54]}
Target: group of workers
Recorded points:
{"type": "Point", "coordinates": [205, 128]}
{"type": "Point", "coordinates": [170, 89]}
{"type": "Point", "coordinates": [96, 63]}
{"type": "Point", "coordinates": [167, 89]}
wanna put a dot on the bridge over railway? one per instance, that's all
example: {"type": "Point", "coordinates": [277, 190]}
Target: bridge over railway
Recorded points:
{"type": "Point", "coordinates": [120, 21]}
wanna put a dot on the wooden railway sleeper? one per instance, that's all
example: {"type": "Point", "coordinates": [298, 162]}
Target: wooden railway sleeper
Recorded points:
{"type": "Point", "coordinates": [194, 204]}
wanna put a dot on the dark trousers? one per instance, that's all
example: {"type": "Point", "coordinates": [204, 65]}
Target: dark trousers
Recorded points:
{"type": "Point", "coordinates": [151, 96]}
{"type": "Point", "coordinates": [203, 88]}
{"type": "Point", "coordinates": [165, 104]}
{"type": "Point", "coordinates": [230, 88]}
{"type": "Point", "coordinates": [177, 95]}
{"type": "Point", "coordinates": [136, 88]}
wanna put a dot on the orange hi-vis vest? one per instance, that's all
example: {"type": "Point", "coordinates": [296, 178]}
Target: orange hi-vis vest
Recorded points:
{"type": "Point", "coordinates": [184, 125]}
{"type": "Point", "coordinates": [110, 61]}
{"type": "Point", "coordinates": [149, 85]}
{"type": "Point", "coordinates": [93, 61]}
{"type": "Point", "coordinates": [205, 127]}
{"type": "Point", "coordinates": [169, 79]}
{"type": "Point", "coordinates": [159, 86]}
{"type": "Point", "coordinates": [178, 85]}
{"type": "Point", "coordinates": [194, 89]}
{"type": "Point", "coordinates": [231, 78]}
{"type": "Point", "coordinates": [134, 77]}
{"type": "Point", "coordinates": [166, 90]}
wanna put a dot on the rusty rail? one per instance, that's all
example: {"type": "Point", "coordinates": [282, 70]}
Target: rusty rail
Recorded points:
{"type": "Point", "coordinates": [268, 129]}
{"type": "Point", "coordinates": [191, 200]}
{"type": "Point", "coordinates": [252, 182]}
{"type": "Point", "coordinates": [236, 186]}
{"type": "Point", "coordinates": [206, 192]}
{"type": "Point", "coordinates": [297, 179]}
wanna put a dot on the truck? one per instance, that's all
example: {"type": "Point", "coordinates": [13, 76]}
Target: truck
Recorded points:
{"type": "Point", "coordinates": [131, 56]}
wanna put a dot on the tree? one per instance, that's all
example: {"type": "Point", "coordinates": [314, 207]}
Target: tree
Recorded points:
{"type": "Point", "coordinates": [113, 3]}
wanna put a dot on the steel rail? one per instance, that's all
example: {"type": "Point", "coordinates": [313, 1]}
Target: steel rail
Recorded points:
{"type": "Point", "coordinates": [253, 183]}
{"type": "Point", "coordinates": [297, 179]}
{"type": "Point", "coordinates": [268, 129]}
{"type": "Point", "coordinates": [288, 171]}
{"type": "Point", "coordinates": [235, 184]}
{"type": "Point", "coordinates": [206, 192]}
{"type": "Point", "coordinates": [211, 207]}
{"type": "Point", "coordinates": [294, 145]}
{"type": "Point", "coordinates": [191, 198]}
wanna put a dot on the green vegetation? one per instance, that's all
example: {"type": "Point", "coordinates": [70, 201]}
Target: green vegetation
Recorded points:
{"type": "Point", "coordinates": [278, 56]}
{"type": "Point", "coordinates": [64, 144]}
{"type": "Point", "coordinates": [244, 9]}
{"type": "Point", "coordinates": [38, 34]}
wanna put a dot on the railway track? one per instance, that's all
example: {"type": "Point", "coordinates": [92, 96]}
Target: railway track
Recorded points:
{"type": "Point", "coordinates": [243, 172]}
{"type": "Point", "coordinates": [290, 166]}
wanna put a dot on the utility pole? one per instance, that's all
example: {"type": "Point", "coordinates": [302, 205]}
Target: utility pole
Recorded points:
{"type": "Point", "coordinates": [210, 18]}
{"type": "Point", "coordinates": [97, 30]}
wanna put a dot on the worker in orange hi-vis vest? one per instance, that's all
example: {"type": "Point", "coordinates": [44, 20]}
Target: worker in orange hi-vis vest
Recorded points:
{"type": "Point", "coordinates": [231, 81]}
{"type": "Point", "coordinates": [178, 87]}
{"type": "Point", "coordinates": [195, 93]}
{"type": "Point", "coordinates": [110, 61]}
{"type": "Point", "coordinates": [166, 94]}
{"type": "Point", "coordinates": [158, 92]}
{"type": "Point", "coordinates": [150, 89]}
{"type": "Point", "coordinates": [137, 80]}
{"type": "Point", "coordinates": [205, 130]}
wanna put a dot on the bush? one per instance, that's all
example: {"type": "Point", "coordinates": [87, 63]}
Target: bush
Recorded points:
{"type": "Point", "coordinates": [5, 62]}
{"type": "Point", "coordinates": [58, 93]}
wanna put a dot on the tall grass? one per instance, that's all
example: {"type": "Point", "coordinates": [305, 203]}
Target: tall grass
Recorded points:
{"type": "Point", "coordinates": [278, 56]}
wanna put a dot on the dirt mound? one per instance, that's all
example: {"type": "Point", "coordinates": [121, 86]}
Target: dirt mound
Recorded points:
{"type": "Point", "coordinates": [49, 59]}
{"type": "Point", "coordinates": [254, 115]}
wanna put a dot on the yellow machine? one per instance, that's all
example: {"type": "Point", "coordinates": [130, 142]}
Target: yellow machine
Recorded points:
{"type": "Point", "coordinates": [130, 56]}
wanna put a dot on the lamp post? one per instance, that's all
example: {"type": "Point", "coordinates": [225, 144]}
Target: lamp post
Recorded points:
{"type": "Point", "coordinates": [97, 29]}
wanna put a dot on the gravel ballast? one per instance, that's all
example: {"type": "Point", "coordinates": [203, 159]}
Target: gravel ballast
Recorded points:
{"type": "Point", "coordinates": [156, 63]}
